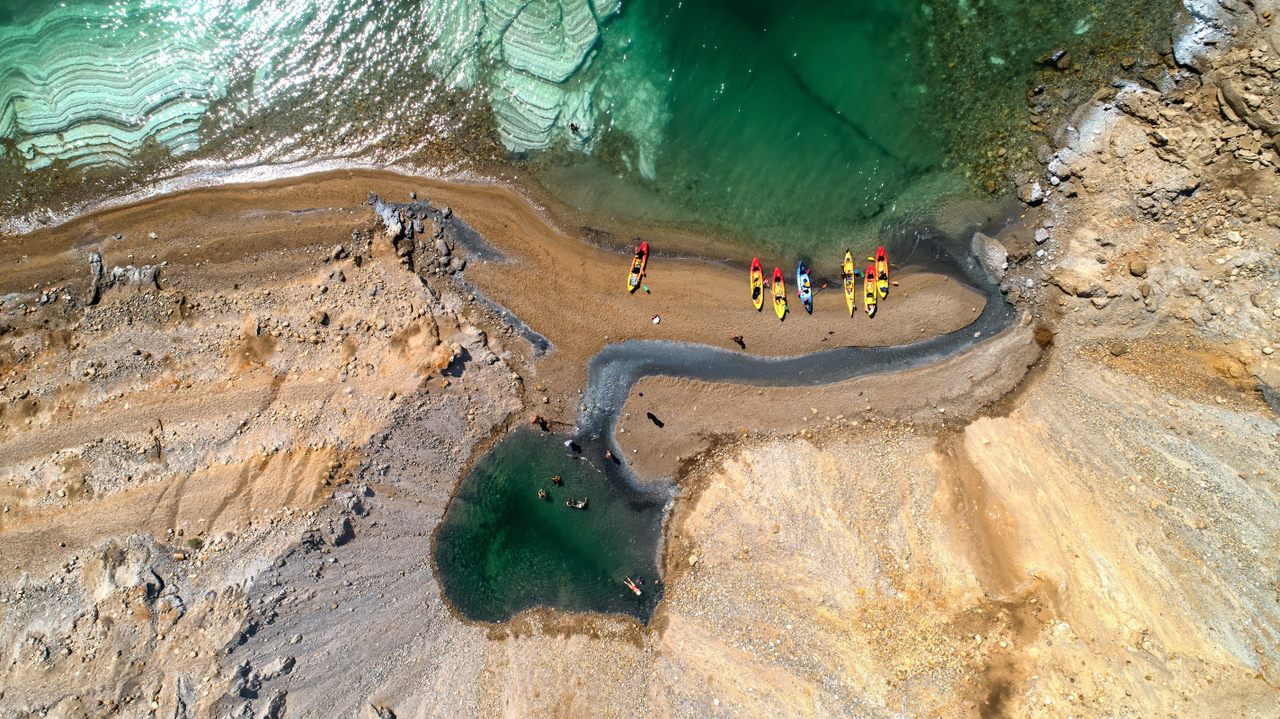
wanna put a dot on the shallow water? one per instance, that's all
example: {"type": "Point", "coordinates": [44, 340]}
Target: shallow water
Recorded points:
{"type": "Point", "coordinates": [501, 549]}
{"type": "Point", "coordinates": [790, 124]}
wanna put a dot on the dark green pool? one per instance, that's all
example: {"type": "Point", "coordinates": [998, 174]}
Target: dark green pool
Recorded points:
{"type": "Point", "coordinates": [501, 549]}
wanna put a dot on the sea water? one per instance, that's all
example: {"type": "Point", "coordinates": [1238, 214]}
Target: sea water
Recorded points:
{"type": "Point", "coordinates": [796, 125]}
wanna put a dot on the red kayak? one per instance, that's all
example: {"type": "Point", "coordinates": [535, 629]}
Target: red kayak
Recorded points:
{"type": "Point", "coordinates": [639, 263]}
{"type": "Point", "coordinates": [882, 273]}
{"type": "Point", "coordinates": [757, 284]}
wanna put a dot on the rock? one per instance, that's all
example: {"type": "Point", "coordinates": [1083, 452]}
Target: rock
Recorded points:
{"type": "Point", "coordinates": [1031, 193]}
{"type": "Point", "coordinates": [993, 255]}
{"type": "Point", "coordinates": [389, 216]}
{"type": "Point", "coordinates": [1139, 102]}
{"type": "Point", "coordinates": [1078, 276]}
{"type": "Point", "coordinates": [1144, 289]}
{"type": "Point", "coordinates": [1042, 235]}
{"type": "Point", "coordinates": [95, 277]}
{"type": "Point", "coordinates": [1260, 299]}
{"type": "Point", "coordinates": [278, 667]}
{"type": "Point", "coordinates": [1254, 118]}
{"type": "Point", "coordinates": [457, 264]}
{"type": "Point", "coordinates": [1268, 378]}
{"type": "Point", "coordinates": [1059, 59]}
{"type": "Point", "coordinates": [246, 682]}
{"type": "Point", "coordinates": [342, 533]}
{"type": "Point", "coordinates": [1138, 268]}
{"type": "Point", "coordinates": [338, 276]}
{"type": "Point", "coordinates": [274, 708]}
{"type": "Point", "coordinates": [337, 253]}
{"type": "Point", "coordinates": [1118, 349]}
{"type": "Point", "coordinates": [320, 317]}
{"type": "Point", "coordinates": [378, 711]}
{"type": "Point", "coordinates": [1100, 302]}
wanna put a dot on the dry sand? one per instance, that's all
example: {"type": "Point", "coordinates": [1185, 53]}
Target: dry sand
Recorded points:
{"type": "Point", "coordinates": [219, 503]}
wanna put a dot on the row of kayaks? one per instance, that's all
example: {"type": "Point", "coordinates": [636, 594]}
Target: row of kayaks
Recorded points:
{"type": "Point", "coordinates": [875, 284]}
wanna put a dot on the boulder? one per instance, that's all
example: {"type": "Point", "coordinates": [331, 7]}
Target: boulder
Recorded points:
{"type": "Point", "coordinates": [1078, 276]}
{"type": "Point", "coordinates": [1139, 102]}
{"type": "Point", "coordinates": [1268, 378]}
{"type": "Point", "coordinates": [1031, 193]}
{"type": "Point", "coordinates": [993, 255]}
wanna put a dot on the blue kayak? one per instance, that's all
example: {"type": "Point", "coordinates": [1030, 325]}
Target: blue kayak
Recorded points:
{"type": "Point", "coordinates": [806, 289]}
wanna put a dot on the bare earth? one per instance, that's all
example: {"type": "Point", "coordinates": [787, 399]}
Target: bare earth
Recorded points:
{"type": "Point", "coordinates": [219, 479]}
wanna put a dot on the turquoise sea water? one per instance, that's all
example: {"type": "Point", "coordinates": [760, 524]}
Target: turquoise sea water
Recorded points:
{"type": "Point", "coordinates": [793, 124]}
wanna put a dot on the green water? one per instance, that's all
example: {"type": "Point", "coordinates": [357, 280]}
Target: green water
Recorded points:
{"type": "Point", "coordinates": [796, 125]}
{"type": "Point", "coordinates": [501, 549]}
{"type": "Point", "coordinates": [801, 126]}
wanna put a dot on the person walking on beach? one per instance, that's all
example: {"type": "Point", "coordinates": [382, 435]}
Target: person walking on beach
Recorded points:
{"type": "Point", "coordinates": [738, 340]}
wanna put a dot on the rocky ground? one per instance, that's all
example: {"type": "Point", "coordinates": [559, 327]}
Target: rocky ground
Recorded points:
{"type": "Point", "coordinates": [229, 429]}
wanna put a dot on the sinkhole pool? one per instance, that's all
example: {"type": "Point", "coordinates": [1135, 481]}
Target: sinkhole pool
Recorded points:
{"type": "Point", "coordinates": [501, 549]}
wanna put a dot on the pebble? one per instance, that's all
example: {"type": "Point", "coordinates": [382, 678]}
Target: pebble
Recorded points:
{"type": "Point", "coordinates": [1138, 268]}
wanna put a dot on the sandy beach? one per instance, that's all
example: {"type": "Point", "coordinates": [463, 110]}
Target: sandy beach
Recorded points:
{"type": "Point", "coordinates": [561, 286]}
{"type": "Point", "coordinates": [231, 420]}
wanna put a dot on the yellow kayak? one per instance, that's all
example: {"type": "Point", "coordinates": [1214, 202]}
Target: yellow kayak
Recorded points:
{"type": "Point", "coordinates": [779, 294]}
{"type": "Point", "coordinates": [639, 263]}
{"type": "Point", "coordinates": [757, 284]}
{"type": "Point", "coordinates": [869, 293]}
{"type": "Point", "coordinates": [882, 273]}
{"type": "Point", "coordinates": [850, 285]}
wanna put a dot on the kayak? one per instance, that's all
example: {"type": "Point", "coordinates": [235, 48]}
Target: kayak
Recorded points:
{"type": "Point", "coordinates": [882, 273]}
{"type": "Point", "coordinates": [850, 285]}
{"type": "Point", "coordinates": [779, 294]}
{"type": "Point", "coordinates": [803, 288]}
{"type": "Point", "coordinates": [869, 290]}
{"type": "Point", "coordinates": [638, 265]}
{"type": "Point", "coordinates": [757, 284]}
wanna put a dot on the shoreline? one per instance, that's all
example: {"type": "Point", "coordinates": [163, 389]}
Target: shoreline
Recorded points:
{"type": "Point", "coordinates": [221, 480]}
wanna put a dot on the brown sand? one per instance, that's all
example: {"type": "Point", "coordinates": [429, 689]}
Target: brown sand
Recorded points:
{"type": "Point", "coordinates": [692, 411]}
{"type": "Point", "coordinates": [568, 290]}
